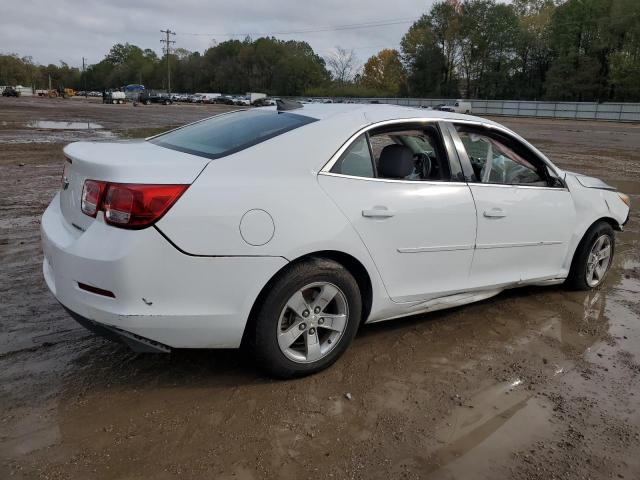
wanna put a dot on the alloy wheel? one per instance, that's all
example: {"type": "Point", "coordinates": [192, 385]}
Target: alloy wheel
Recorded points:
{"type": "Point", "coordinates": [312, 322]}
{"type": "Point", "coordinates": [598, 261]}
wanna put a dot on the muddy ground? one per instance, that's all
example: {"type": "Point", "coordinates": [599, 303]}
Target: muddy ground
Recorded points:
{"type": "Point", "coordinates": [534, 383]}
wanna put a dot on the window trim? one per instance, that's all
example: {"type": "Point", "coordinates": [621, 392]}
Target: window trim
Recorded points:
{"type": "Point", "coordinates": [395, 180]}
{"type": "Point", "coordinates": [373, 160]}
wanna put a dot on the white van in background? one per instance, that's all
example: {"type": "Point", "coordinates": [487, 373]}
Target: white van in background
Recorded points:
{"type": "Point", "coordinates": [461, 106]}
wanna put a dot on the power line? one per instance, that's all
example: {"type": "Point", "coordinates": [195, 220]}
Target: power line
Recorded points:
{"type": "Point", "coordinates": [167, 47]}
{"type": "Point", "coordinates": [352, 26]}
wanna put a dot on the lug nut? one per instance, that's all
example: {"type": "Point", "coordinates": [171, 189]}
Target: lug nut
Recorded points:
{"type": "Point", "coordinates": [305, 314]}
{"type": "Point", "coordinates": [302, 326]}
{"type": "Point", "coordinates": [320, 321]}
{"type": "Point", "coordinates": [316, 310]}
{"type": "Point", "coordinates": [312, 331]}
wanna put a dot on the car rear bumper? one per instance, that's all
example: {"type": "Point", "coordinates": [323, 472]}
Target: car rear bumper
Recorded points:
{"type": "Point", "coordinates": [133, 341]}
{"type": "Point", "coordinates": [160, 295]}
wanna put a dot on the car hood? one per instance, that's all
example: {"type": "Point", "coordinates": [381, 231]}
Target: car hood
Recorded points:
{"type": "Point", "coordinates": [590, 182]}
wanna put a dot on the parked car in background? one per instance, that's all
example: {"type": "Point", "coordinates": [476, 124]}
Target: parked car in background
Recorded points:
{"type": "Point", "coordinates": [10, 92]}
{"type": "Point", "coordinates": [209, 97]}
{"type": "Point", "coordinates": [188, 240]}
{"type": "Point", "coordinates": [263, 102]}
{"type": "Point", "coordinates": [195, 98]}
{"type": "Point", "coordinates": [151, 96]}
{"type": "Point", "coordinates": [460, 106]}
{"type": "Point", "coordinates": [224, 100]}
{"type": "Point", "coordinates": [241, 100]}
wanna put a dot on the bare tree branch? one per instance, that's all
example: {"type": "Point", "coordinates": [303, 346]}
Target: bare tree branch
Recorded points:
{"type": "Point", "coordinates": [343, 64]}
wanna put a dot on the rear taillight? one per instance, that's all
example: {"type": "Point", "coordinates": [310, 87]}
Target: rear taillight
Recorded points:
{"type": "Point", "coordinates": [130, 205]}
{"type": "Point", "coordinates": [91, 197]}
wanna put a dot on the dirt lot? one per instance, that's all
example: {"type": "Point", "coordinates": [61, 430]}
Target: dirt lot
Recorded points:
{"type": "Point", "coordinates": [534, 383]}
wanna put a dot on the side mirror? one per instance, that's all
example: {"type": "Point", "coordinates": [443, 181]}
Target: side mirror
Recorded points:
{"type": "Point", "coordinates": [555, 182]}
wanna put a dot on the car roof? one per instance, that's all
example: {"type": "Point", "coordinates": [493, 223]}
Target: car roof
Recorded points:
{"type": "Point", "coordinates": [374, 112]}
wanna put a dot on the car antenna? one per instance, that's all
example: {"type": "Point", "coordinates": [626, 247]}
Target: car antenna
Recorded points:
{"type": "Point", "coordinates": [284, 105]}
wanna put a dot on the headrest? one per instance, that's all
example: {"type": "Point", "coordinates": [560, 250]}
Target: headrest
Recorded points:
{"type": "Point", "coordinates": [396, 161]}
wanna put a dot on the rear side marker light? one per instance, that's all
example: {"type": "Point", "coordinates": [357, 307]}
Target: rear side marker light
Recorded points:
{"type": "Point", "coordinates": [129, 205]}
{"type": "Point", "coordinates": [96, 290]}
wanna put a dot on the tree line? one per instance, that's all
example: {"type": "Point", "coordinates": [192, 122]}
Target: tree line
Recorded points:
{"type": "Point", "coordinates": [581, 50]}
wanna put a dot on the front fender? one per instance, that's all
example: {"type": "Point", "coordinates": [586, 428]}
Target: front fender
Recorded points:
{"type": "Point", "coordinates": [591, 205]}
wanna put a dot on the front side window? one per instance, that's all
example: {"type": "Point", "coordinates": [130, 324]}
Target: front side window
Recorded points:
{"type": "Point", "coordinates": [225, 134]}
{"type": "Point", "coordinates": [498, 159]}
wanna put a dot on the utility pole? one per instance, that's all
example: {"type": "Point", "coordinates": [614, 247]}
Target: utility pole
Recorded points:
{"type": "Point", "coordinates": [167, 49]}
{"type": "Point", "coordinates": [84, 79]}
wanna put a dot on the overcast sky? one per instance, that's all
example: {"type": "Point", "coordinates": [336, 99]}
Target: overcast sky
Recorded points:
{"type": "Point", "coordinates": [55, 30]}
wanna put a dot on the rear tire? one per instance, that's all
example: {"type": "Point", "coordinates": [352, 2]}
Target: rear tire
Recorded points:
{"type": "Point", "coordinates": [591, 262]}
{"type": "Point", "coordinates": [308, 319]}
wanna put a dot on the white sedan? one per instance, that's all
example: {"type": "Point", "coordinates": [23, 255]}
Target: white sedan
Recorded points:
{"type": "Point", "coordinates": [286, 229]}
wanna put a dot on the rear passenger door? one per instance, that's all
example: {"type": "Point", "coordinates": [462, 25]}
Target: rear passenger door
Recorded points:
{"type": "Point", "coordinates": [525, 215]}
{"type": "Point", "coordinates": [401, 191]}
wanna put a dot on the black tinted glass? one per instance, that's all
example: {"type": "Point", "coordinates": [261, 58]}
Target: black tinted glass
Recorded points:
{"type": "Point", "coordinates": [226, 134]}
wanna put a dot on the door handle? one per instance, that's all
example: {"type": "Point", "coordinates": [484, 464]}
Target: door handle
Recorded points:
{"type": "Point", "coordinates": [378, 212]}
{"type": "Point", "coordinates": [495, 213]}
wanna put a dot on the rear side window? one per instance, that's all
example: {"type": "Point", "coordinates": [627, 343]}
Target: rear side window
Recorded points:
{"type": "Point", "coordinates": [410, 154]}
{"type": "Point", "coordinates": [403, 152]}
{"type": "Point", "coordinates": [356, 160]}
{"type": "Point", "coordinates": [229, 133]}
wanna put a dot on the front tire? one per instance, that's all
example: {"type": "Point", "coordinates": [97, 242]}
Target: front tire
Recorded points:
{"type": "Point", "coordinates": [592, 258]}
{"type": "Point", "coordinates": [308, 319]}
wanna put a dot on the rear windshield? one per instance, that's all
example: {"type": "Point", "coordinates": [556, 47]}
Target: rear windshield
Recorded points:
{"type": "Point", "coordinates": [229, 133]}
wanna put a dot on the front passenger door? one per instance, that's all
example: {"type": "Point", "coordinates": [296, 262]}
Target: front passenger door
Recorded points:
{"type": "Point", "coordinates": [525, 217]}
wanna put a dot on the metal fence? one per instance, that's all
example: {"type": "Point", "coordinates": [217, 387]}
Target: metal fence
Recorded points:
{"type": "Point", "coordinates": [618, 112]}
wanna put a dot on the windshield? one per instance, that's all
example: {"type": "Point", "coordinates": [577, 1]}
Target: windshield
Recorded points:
{"type": "Point", "coordinates": [229, 133]}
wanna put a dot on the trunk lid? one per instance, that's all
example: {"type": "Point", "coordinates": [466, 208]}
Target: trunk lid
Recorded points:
{"type": "Point", "coordinates": [133, 161]}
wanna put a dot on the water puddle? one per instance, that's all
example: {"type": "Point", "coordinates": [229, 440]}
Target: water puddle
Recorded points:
{"type": "Point", "coordinates": [489, 425]}
{"type": "Point", "coordinates": [52, 131]}
{"type": "Point", "coordinates": [56, 125]}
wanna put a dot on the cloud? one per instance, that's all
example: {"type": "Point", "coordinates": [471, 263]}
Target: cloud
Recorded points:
{"type": "Point", "coordinates": [69, 30]}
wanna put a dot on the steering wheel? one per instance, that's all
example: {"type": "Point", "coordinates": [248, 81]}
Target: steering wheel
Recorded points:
{"type": "Point", "coordinates": [423, 164]}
